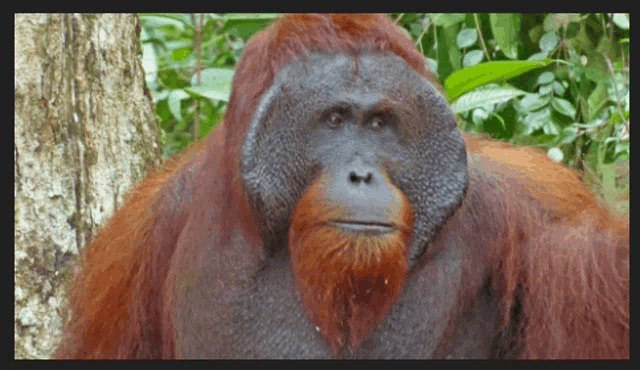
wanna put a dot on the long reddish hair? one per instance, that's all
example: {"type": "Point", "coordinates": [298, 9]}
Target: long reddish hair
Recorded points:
{"type": "Point", "coordinates": [563, 265]}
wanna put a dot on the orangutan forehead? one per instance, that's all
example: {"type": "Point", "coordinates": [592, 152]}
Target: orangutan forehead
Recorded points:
{"type": "Point", "coordinates": [334, 71]}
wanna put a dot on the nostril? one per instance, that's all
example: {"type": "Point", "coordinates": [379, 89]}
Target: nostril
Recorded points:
{"type": "Point", "coordinates": [356, 178]}
{"type": "Point", "coordinates": [353, 177]}
{"type": "Point", "coordinates": [367, 179]}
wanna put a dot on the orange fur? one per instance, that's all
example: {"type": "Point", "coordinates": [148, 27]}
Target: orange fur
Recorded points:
{"type": "Point", "coordinates": [348, 282]}
{"type": "Point", "coordinates": [574, 267]}
{"type": "Point", "coordinates": [551, 248]}
{"type": "Point", "coordinates": [117, 289]}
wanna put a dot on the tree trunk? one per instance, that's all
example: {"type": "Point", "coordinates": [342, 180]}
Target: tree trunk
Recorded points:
{"type": "Point", "coordinates": [85, 133]}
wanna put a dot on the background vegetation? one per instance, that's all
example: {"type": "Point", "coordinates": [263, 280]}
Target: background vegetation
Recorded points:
{"type": "Point", "coordinates": [555, 81]}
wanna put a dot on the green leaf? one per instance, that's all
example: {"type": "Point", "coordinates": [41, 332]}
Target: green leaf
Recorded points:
{"type": "Point", "coordinates": [246, 25]}
{"type": "Point", "coordinates": [470, 78]}
{"type": "Point", "coordinates": [558, 88]}
{"type": "Point", "coordinates": [532, 102]}
{"type": "Point", "coordinates": [175, 97]}
{"type": "Point", "coordinates": [180, 54]}
{"type": "Point", "coordinates": [442, 47]}
{"type": "Point", "coordinates": [163, 19]}
{"type": "Point", "coordinates": [597, 100]}
{"type": "Point", "coordinates": [545, 89]}
{"type": "Point", "coordinates": [568, 135]}
{"type": "Point", "coordinates": [621, 20]}
{"type": "Point", "coordinates": [505, 28]}
{"type": "Point", "coordinates": [548, 41]}
{"type": "Point", "coordinates": [209, 93]}
{"type": "Point", "coordinates": [595, 74]}
{"type": "Point", "coordinates": [481, 97]}
{"type": "Point", "coordinates": [545, 78]}
{"type": "Point", "coordinates": [539, 56]}
{"type": "Point", "coordinates": [149, 62]}
{"type": "Point", "coordinates": [455, 55]}
{"type": "Point", "coordinates": [466, 37]}
{"type": "Point", "coordinates": [564, 107]}
{"type": "Point", "coordinates": [248, 16]}
{"type": "Point", "coordinates": [217, 82]}
{"type": "Point", "coordinates": [591, 124]}
{"type": "Point", "coordinates": [540, 118]}
{"type": "Point", "coordinates": [573, 30]}
{"type": "Point", "coordinates": [479, 115]}
{"type": "Point", "coordinates": [535, 33]}
{"type": "Point", "coordinates": [447, 19]}
{"type": "Point", "coordinates": [433, 65]}
{"type": "Point", "coordinates": [622, 147]}
{"type": "Point", "coordinates": [549, 23]}
{"type": "Point", "coordinates": [472, 58]}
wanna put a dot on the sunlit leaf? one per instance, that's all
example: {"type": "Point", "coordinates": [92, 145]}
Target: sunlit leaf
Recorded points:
{"type": "Point", "coordinates": [621, 20]}
{"type": "Point", "coordinates": [548, 41]}
{"type": "Point", "coordinates": [505, 28]}
{"type": "Point", "coordinates": [479, 98]}
{"type": "Point", "coordinates": [470, 78]}
{"type": "Point", "coordinates": [472, 58]}
{"type": "Point", "coordinates": [466, 37]}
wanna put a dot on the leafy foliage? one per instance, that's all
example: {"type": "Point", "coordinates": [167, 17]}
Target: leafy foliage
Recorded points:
{"type": "Point", "coordinates": [558, 81]}
{"type": "Point", "coordinates": [172, 65]}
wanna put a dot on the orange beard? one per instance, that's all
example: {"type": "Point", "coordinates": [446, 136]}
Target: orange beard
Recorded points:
{"type": "Point", "coordinates": [348, 281]}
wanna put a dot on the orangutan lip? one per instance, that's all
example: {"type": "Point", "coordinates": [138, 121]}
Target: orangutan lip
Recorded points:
{"type": "Point", "coordinates": [364, 226]}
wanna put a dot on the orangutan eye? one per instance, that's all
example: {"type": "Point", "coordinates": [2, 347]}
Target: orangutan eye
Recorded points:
{"type": "Point", "coordinates": [376, 122]}
{"type": "Point", "coordinates": [335, 119]}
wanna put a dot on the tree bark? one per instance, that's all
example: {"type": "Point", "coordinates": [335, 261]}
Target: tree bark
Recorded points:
{"type": "Point", "coordinates": [85, 133]}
